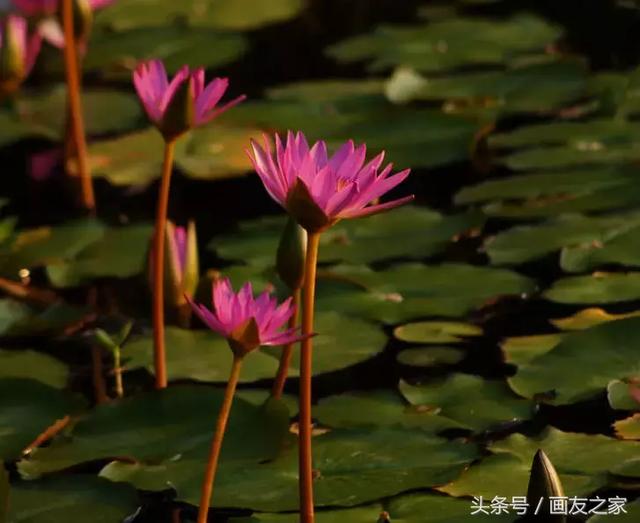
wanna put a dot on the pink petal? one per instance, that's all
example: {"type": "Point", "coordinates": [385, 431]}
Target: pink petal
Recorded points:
{"type": "Point", "coordinates": [374, 209]}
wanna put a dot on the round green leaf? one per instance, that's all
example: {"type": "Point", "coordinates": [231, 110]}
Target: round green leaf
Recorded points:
{"type": "Point", "coordinates": [430, 356]}
{"type": "Point", "coordinates": [596, 288]}
{"type": "Point", "coordinates": [470, 401]}
{"type": "Point", "coordinates": [436, 332]}
{"type": "Point", "coordinates": [608, 351]}
{"type": "Point", "coordinates": [27, 408]}
{"type": "Point", "coordinates": [160, 425]}
{"type": "Point", "coordinates": [34, 365]}
{"type": "Point", "coordinates": [377, 408]}
{"type": "Point", "coordinates": [72, 499]}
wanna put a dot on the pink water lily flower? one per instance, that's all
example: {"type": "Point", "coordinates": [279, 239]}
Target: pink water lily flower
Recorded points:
{"type": "Point", "coordinates": [50, 7]}
{"type": "Point", "coordinates": [159, 96]}
{"type": "Point", "coordinates": [318, 190]}
{"type": "Point", "coordinates": [49, 27]}
{"type": "Point", "coordinates": [247, 323]}
{"type": "Point", "coordinates": [18, 51]}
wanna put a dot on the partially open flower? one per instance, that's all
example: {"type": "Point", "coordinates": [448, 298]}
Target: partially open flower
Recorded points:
{"type": "Point", "coordinates": [247, 323]}
{"type": "Point", "coordinates": [184, 102]}
{"type": "Point", "coordinates": [318, 190]}
{"type": "Point", "coordinates": [18, 52]}
{"type": "Point", "coordinates": [50, 26]}
{"type": "Point", "coordinates": [181, 269]}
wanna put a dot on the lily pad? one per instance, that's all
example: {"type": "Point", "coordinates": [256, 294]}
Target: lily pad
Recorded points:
{"type": "Point", "coordinates": [470, 401]}
{"type": "Point", "coordinates": [239, 15]}
{"type": "Point", "coordinates": [73, 499]}
{"type": "Point", "coordinates": [380, 408]}
{"type": "Point", "coordinates": [607, 350]}
{"type": "Point", "coordinates": [436, 332]}
{"type": "Point", "coordinates": [496, 92]}
{"type": "Point", "coordinates": [354, 467]}
{"type": "Point", "coordinates": [205, 356]}
{"type": "Point", "coordinates": [116, 54]}
{"type": "Point", "coordinates": [590, 317]}
{"type": "Point", "coordinates": [519, 350]}
{"type": "Point", "coordinates": [596, 288]}
{"type": "Point", "coordinates": [432, 508]}
{"type": "Point", "coordinates": [628, 428]}
{"type": "Point", "coordinates": [105, 111]}
{"type": "Point", "coordinates": [506, 473]}
{"type": "Point", "coordinates": [27, 408]}
{"type": "Point", "coordinates": [429, 356]}
{"type": "Point", "coordinates": [160, 425]}
{"type": "Point", "coordinates": [36, 247]}
{"type": "Point", "coordinates": [34, 365]}
{"type": "Point", "coordinates": [630, 515]}
{"type": "Point", "coordinates": [353, 515]}
{"type": "Point", "coordinates": [550, 193]}
{"type": "Point", "coordinates": [412, 290]}
{"type": "Point", "coordinates": [528, 242]}
{"type": "Point", "coordinates": [120, 253]}
{"type": "Point", "coordinates": [447, 44]}
{"type": "Point", "coordinates": [620, 397]}
{"type": "Point", "coordinates": [379, 237]}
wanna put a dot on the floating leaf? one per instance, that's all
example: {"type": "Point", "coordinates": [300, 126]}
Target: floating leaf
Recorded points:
{"type": "Point", "coordinates": [105, 111]}
{"type": "Point", "coordinates": [436, 332]}
{"type": "Point", "coordinates": [591, 317]}
{"type": "Point", "coordinates": [378, 237]}
{"type": "Point", "coordinates": [430, 356]}
{"type": "Point", "coordinates": [596, 288]}
{"type": "Point", "coordinates": [203, 355]}
{"type": "Point", "coordinates": [519, 350]}
{"type": "Point", "coordinates": [353, 467]}
{"type": "Point", "coordinates": [432, 508]}
{"type": "Point", "coordinates": [223, 14]}
{"type": "Point", "coordinates": [36, 247]}
{"type": "Point", "coordinates": [72, 499]}
{"type": "Point", "coordinates": [447, 44]}
{"type": "Point", "coordinates": [470, 401]}
{"type": "Point", "coordinates": [353, 515]}
{"type": "Point", "coordinates": [33, 365]}
{"type": "Point", "coordinates": [27, 408]}
{"type": "Point", "coordinates": [380, 408]}
{"type": "Point", "coordinates": [412, 290]}
{"type": "Point", "coordinates": [628, 428]}
{"type": "Point", "coordinates": [116, 54]}
{"type": "Point", "coordinates": [582, 364]}
{"type": "Point", "coordinates": [154, 426]}
{"type": "Point", "coordinates": [630, 515]}
{"type": "Point", "coordinates": [620, 397]}
{"type": "Point", "coordinates": [537, 87]}
{"type": "Point", "coordinates": [120, 253]}
{"type": "Point", "coordinates": [506, 473]}
{"type": "Point", "coordinates": [528, 242]}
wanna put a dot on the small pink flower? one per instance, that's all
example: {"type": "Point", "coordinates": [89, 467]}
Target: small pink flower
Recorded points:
{"type": "Point", "coordinates": [157, 94]}
{"type": "Point", "coordinates": [232, 313]}
{"type": "Point", "coordinates": [18, 48]}
{"type": "Point", "coordinates": [318, 190]}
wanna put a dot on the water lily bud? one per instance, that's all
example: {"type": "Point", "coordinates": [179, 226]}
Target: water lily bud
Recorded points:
{"type": "Point", "coordinates": [180, 113]}
{"type": "Point", "coordinates": [384, 518]}
{"type": "Point", "coordinates": [544, 484]}
{"type": "Point", "coordinates": [291, 254]}
{"type": "Point", "coordinates": [181, 266]}
{"type": "Point", "coordinates": [18, 52]}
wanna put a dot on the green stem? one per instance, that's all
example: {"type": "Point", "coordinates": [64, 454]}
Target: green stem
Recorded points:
{"type": "Point", "coordinates": [287, 350]}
